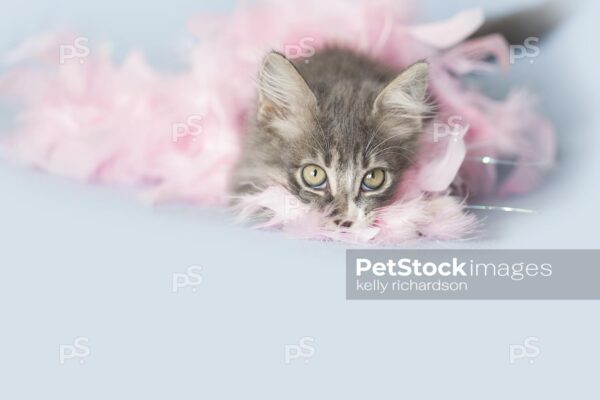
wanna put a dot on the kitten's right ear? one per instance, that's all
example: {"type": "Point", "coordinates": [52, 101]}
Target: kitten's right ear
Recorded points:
{"type": "Point", "coordinates": [282, 90]}
{"type": "Point", "coordinates": [407, 94]}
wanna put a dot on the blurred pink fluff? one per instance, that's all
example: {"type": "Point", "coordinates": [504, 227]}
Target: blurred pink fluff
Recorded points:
{"type": "Point", "coordinates": [178, 136]}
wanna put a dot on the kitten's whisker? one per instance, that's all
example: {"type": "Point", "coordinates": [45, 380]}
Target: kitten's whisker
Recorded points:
{"type": "Point", "coordinates": [382, 142]}
{"type": "Point", "coordinates": [373, 135]}
{"type": "Point", "coordinates": [403, 154]}
{"type": "Point", "coordinates": [385, 141]}
{"type": "Point", "coordinates": [405, 151]}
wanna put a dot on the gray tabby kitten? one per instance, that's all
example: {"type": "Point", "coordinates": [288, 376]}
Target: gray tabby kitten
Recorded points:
{"type": "Point", "coordinates": [337, 131]}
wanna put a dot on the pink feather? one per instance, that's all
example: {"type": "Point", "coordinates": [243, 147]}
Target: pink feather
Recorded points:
{"type": "Point", "coordinates": [177, 136]}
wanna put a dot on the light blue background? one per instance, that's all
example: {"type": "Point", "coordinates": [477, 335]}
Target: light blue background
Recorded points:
{"type": "Point", "coordinates": [82, 261]}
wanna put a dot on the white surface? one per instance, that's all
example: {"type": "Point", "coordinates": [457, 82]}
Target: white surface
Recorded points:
{"type": "Point", "coordinates": [87, 261]}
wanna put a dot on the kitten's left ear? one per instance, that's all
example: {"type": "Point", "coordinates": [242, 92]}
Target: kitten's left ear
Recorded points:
{"type": "Point", "coordinates": [407, 94]}
{"type": "Point", "coordinates": [282, 90]}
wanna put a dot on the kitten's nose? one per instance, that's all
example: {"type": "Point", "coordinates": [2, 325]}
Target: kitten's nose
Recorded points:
{"type": "Point", "coordinates": [345, 224]}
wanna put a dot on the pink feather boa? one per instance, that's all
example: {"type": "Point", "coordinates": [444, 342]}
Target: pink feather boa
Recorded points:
{"type": "Point", "coordinates": [178, 136]}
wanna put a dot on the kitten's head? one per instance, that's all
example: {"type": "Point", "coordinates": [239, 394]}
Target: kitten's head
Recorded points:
{"type": "Point", "coordinates": [341, 146]}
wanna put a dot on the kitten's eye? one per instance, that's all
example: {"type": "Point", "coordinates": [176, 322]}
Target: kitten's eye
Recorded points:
{"type": "Point", "coordinates": [314, 176]}
{"type": "Point", "coordinates": [373, 180]}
